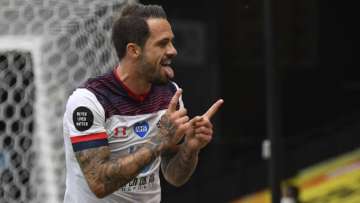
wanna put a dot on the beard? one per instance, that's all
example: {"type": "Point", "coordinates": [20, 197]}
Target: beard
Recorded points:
{"type": "Point", "coordinates": [152, 73]}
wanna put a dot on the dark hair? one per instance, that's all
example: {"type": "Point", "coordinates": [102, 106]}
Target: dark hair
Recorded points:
{"type": "Point", "coordinates": [131, 26]}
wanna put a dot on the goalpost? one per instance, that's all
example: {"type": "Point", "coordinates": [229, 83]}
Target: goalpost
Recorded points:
{"type": "Point", "coordinates": [24, 115]}
{"type": "Point", "coordinates": [47, 48]}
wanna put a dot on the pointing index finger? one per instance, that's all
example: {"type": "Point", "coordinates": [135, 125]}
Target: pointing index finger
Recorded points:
{"type": "Point", "coordinates": [174, 100]}
{"type": "Point", "coordinates": [213, 109]}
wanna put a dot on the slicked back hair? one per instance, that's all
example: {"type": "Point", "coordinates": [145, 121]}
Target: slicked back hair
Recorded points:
{"type": "Point", "coordinates": [131, 26]}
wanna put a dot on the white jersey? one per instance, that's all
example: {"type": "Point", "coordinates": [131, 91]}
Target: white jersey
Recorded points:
{"type": "Point", "coordinates": [105, 113]}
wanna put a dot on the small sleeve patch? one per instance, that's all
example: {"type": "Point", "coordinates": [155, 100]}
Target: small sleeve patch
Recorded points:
{"type": "Point", "coordinates": [83, 118]}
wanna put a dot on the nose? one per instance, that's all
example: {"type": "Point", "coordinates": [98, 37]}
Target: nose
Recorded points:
{"type": "Point", "coordinates": [171, 50]}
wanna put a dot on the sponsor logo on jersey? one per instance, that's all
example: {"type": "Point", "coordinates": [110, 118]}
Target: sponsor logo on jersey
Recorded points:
{"type": "Point", "coordinates": [140, 183]}
{"type": "Point", "coordinates": [120, 132]}
{"type": "Point", "coordinates": [83, 118]}
{"type": "Point", "coordinates": [141, 128]}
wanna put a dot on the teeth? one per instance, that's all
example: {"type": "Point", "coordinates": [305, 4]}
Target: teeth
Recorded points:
{"type": "Point", "coordinates": [166, 63]}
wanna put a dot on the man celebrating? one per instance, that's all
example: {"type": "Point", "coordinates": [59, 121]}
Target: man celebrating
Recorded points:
{"type": "Point", "coordinates": [121, 127]}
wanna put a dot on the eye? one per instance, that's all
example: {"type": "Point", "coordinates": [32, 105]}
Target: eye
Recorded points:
{"type": "Point", "coordinates": [163, 43]}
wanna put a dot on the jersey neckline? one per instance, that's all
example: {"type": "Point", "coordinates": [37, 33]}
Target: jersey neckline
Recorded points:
{"type": "Point", "coordinates": [133, 95]}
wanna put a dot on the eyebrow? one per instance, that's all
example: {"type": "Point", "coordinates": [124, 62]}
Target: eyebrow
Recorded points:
{"type": "Point", "coordinates": [167, 39]}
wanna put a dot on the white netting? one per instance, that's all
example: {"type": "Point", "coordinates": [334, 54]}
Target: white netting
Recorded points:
{"type": "Point", "coordinates": [69, 42]}
{"type": "Point", "coordinates": [16, 125]}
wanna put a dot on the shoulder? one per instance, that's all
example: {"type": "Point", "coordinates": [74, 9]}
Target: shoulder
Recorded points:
{"type": "Point", "coordinates": [167, 91]}
{"type": "Point", "coordinates": [84, 100]}
{"type": "Point", "coordinates": [84, 114]}
{"type": "Point", "coordinates": [99, 81]}
{"type": "Point", "coordinates": [164, 91]}
{"type": "Point", "coordinates": [168, 87]}
{"type": "Point", "coordinates": [81, 96]}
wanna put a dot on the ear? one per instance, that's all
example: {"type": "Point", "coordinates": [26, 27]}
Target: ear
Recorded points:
{"type": "Point", "coordinates": [133, 50]}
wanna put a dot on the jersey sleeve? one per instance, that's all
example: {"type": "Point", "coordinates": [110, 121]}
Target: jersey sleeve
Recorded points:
{"type": "Point", "coordinates": [85, 120]}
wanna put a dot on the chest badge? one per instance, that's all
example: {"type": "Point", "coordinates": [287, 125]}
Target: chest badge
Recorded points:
{"type": "Point", "coordinates": [141, 128]}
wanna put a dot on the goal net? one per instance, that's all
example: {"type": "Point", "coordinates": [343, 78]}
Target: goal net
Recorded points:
{"type": "Point", "coordinates": [47, 48]}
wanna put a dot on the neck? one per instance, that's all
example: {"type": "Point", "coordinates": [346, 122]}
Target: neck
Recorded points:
{"type": "Point", "coordinates": [132, 79]}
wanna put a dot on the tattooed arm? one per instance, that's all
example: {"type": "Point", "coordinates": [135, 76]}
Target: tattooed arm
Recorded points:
{"type": "Point", "coordinates": [178, 165]}
{"type": "Point", "coordinates": [179, 162]}
{"type": "Point", "coordinates": [105, 175]}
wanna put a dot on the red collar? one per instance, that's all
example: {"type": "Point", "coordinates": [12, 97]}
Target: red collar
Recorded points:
{"type": "Point", "coordinates": [137, 97]}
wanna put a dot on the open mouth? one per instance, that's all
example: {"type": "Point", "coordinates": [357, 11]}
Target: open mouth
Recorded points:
{"type": "Point", "coordinates": [165, 64]}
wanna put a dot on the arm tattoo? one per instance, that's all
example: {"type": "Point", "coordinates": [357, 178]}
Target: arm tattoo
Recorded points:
{"type": "Point", "coordinates": [167, 128]}
{"type": "Point", "coordinates": [178, 167]}
{"type": "Point", "coordinates": [104, 176]}
{"type": "Point", "coordinates": [166, 132]}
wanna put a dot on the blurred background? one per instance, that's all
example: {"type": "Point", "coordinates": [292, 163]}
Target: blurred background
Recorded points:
{"type": "Point", "coordinates": [221, 55]}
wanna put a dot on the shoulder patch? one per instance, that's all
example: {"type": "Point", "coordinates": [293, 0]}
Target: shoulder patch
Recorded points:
{"type": "Point", "coordinates": [83, 118]}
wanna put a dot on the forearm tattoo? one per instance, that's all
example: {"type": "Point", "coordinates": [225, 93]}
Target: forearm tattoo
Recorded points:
{"type": "Point", "coordinates": [104, 176]}
{"type": "Point", "coordinates": [166, 132]}
{"type": "Point", "coordinates": [178, 167]}
{"type": "Point", "coordinates": [154, 145]}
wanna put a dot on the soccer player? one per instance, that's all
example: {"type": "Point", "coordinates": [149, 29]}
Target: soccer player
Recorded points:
{"type": "Point", "coordinates": [122, 127]}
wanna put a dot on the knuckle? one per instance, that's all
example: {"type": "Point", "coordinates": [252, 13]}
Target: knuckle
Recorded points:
{"type": "Point", "coordinates": [181, 128]}
{"type": "Point", "coordinates": [172, 117]}
{"type": "Point", "coordinates": [184, 127]}
{"type": "Point", "coordinates": [177, 123]}
{"type": "Point", "coordinates": [167, 114]}
{"type": "Point", "coordinates": [206, 119]}
{"type": "Point", "coordinates": [173, 102]}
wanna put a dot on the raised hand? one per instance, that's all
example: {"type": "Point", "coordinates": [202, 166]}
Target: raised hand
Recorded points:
{"type": "Point", "coordinates": [202, 128]}
{"type": "Point", "coordinates": [178, 167]}
{"type": "Point", "coordinates": [172, 125]}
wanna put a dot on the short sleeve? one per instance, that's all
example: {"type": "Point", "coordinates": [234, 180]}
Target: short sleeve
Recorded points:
{"type": "Point", "coordinates": [85, 120]}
